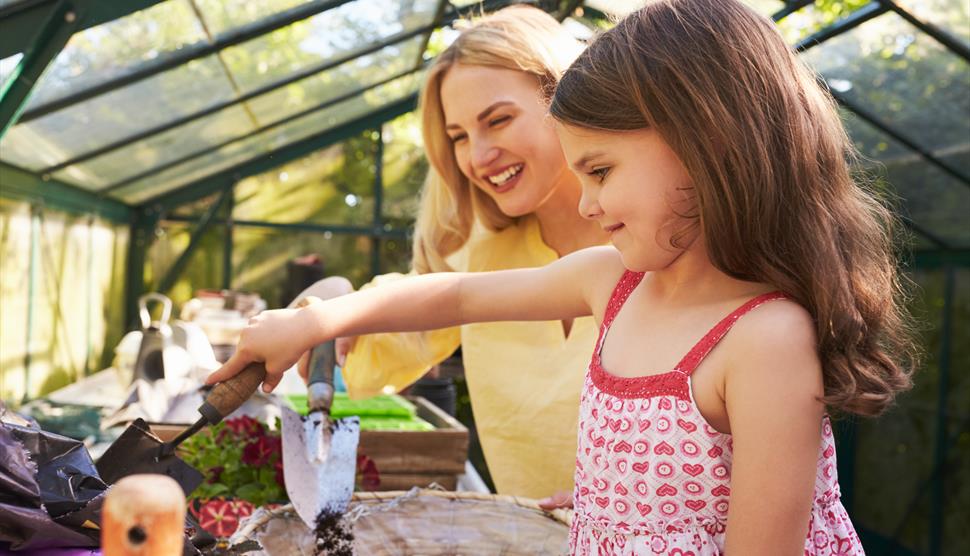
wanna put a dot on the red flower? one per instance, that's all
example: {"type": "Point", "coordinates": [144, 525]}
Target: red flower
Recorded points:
{"type": "Point", "coordinates": [215, 473]}
{"type": "Point", "coordinates": [370, 477]}
{"type": "Point", "coordinates": [245, 426]}
{"type": "Point", "coordinates": [259, 451]}
{"type": "Point", "coordinates": [278, 467]}
{"type": "Point", "coordinates": [221, 517]}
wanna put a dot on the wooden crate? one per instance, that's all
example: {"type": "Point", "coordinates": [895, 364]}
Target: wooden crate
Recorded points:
{"type": "Point", "coordinates": [404, 458]}
{"type": "Point", "coordinates": [419, 458]}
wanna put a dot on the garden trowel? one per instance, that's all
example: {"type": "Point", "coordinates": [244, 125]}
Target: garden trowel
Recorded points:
{"type": "Point", "coordinates": [319, 454]}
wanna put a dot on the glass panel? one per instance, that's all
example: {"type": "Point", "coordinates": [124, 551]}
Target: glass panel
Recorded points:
{"type": "Point", "coordinates": [395, 256]}
{"type": "Point", "coordinates": [259, 257]}
{"type": "Point", "coordinates": [957, 503]}
{"type": "Point", "coordinates": [115, 47]}
{"type": "Point", "coordinates": [333, 186]}
{"type": "Point", "coordinates": [815, 17]}
{"type": "Point", "coordinates": [197, 208]}
{"type": "Point", "coordinates": [165, 147]}
{"type": "Point", "coordinates": [897, 449]}
{"type": "Point", "coordinates": [362, 71]}
{"type": "Point", "coordinates": [405, 168]}
{"type": "Point", "coordinates": [931, 198]}
{"type": "Point", "coordinates": [66, 133]}
{"type": "Point", "coordinates": [204, 268]}
{"type": "Point", "coordinates": [7, 66]}
{"type": "Point", "coordinates": [951, 16]}
{"type": "Point", "coordinates": [312, 41]}
{"type": "Point", "coordinates": [223, 15]}
{"type": "Point", "coordinates": [907, 80]}
{"type": "Point", "coordinates": [251, 147]}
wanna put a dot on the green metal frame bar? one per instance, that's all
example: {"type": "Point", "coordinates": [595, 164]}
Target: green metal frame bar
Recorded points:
{"type": "Point", "coordinates": [182, 56]}
{"type": "Point", "coordinates": [20, 21]}
{"type": "Point", "coordinates": [208, 185]}
{"type": "Point", "coordinates": [54, 33]}
{"type": "Point", "coordinates": [936, 259]}
{"type": "Point", "coordinates": [791, 7]}
{"type": "Point", "coordinates": [16, 183]}
{"type": "Point", "coordinates": [293, 117]}
{"type": "Point", "coordinates": [865, 13]}
{"type": "Point", "coordinates": [378, 214]}
{"type": "Point", "coordinates": [393, 233]}
{"type": "Point", "coordinates": [310, 72]}
{"type": "Point", "coordinates": [943, 389]}
{"type": "Point", "coordinates": [867, 116]}
{"type": "Point", "coordinates": [141, 237]}
{"type": "Point", "coordinates": [229, 237]}
{"type": "Point", "coordinates": [175, 271]}
{"type": "Point", "coordinates": [951, 43]}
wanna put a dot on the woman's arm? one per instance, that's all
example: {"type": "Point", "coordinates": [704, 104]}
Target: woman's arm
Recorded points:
{"type": "Point", "coordinates": [771, 391]}
{"type": "Point", "coordinates": [430, 301]}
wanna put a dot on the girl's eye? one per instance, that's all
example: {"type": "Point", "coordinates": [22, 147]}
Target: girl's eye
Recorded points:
{"type": "Point", "coordinates": [600, 173]}
{"type": "Point", "coordinates": [457, 137]}
{"type": "Point", "coordinates": [499, 120]}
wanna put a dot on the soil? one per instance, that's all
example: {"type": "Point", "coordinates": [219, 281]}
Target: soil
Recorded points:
{"type": "Point", "coordinates": [334, 536]}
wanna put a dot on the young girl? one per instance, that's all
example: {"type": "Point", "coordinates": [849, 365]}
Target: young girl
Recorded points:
{"type": "Point", "coordinates": [750, 285]}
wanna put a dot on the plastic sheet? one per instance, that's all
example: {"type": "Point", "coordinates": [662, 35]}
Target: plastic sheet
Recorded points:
{"type": "Point", "coordinates": [50, 493]}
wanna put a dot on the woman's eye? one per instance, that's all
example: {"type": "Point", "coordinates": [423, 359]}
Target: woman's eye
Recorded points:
{"type": "Point", "coordinates": [499, 120]}
{"type": "Point", "coordinates": [458, 137]}
{"type": "Point", "coordinates": [600, 173]}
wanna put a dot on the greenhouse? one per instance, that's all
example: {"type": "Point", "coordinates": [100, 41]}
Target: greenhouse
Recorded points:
{"type": "Point", "coordinates": [218, 156]}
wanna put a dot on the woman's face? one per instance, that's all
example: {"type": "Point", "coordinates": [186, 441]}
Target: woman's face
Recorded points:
{"type": "Point", "coordinates": [503, 141]}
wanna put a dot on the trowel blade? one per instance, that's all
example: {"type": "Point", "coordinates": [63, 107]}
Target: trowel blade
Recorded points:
{"type": "Point", "coordinates": [319, 478]}
{"type": "Point", "coordinates": [137, 450]}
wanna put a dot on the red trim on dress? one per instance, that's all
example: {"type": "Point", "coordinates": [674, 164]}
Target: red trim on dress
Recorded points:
{"type": "Point", "coordinates": [671, 383]}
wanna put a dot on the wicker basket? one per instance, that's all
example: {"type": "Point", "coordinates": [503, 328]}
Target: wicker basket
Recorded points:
{"type": "Point", "coordinates": [426, 522]}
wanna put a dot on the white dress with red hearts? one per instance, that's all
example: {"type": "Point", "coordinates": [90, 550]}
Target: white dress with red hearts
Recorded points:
{"type": "Point", "coordinates": [652, 477]}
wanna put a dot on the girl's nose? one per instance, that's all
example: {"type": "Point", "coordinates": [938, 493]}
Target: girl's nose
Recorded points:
{"type": "Point", "coordinates": [589, 206]}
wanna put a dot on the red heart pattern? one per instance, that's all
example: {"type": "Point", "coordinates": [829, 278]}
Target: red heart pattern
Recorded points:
{"type": "Point", "coordinates": [643, 444]}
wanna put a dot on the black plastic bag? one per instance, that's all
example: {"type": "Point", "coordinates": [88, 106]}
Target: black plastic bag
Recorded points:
{"type": "Point", "coordinates": [50, 493]}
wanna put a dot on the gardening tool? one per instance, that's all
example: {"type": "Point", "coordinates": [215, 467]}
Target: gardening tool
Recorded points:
{"type": "Point", "coordinates": [319, 454]}
{"type": "Point", "coordinates": [143, 515]}
{"type": "Point", "coordinates": [138, 450]}
{"type": "Point", "coordinates": [156, 336]}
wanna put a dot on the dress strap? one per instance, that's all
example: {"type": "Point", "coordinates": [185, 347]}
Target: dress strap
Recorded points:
{"type": "Point", "coordinates": [627, 283]}
{"type": "Point", "coordinates": [707, 343]}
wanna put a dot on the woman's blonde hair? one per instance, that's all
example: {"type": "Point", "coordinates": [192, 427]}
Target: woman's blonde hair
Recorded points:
{"type": "Point", "coordinates": [520, 38]}
{"type": "Point", "coordinates": [768, 160]}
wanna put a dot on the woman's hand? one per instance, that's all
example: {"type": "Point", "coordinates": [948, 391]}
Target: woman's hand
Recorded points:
{"type": "Point", "coordinates": [277, 338]}
{"type": "Point", "coordinates": [561, 499]}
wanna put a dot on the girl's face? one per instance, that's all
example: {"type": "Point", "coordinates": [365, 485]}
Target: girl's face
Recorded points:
{"type": "Point", "coordinates": [503, 141]}
{"type": "Point", "coordinates": [636, 188]}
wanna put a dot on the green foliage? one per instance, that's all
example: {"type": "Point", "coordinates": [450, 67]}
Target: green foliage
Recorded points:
{"type": "Point", "coordinates": [240, 458]}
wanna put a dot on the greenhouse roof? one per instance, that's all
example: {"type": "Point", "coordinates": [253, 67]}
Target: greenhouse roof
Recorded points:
{"type": "Point", "coordinates": [108, 106]}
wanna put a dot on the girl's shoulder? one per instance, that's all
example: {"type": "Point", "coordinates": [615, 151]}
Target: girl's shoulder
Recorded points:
{"type": "Point", "coordinates": [774, 344]}
{"type": "Point", "coordinates": [601, 268]}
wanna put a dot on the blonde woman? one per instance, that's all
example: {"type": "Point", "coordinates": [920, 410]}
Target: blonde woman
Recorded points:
{"type": "Point", "coordinates": [499, 195]}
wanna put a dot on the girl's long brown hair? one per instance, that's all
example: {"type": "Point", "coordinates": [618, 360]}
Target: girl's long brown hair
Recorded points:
{"type": "Point", "coordinates": [769, 161]}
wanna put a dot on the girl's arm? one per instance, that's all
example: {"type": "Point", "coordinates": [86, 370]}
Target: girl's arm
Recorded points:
{"type": "Point", "coordinates": [556, 291]}
{"type": "Point", "coordinates": [771, 390]}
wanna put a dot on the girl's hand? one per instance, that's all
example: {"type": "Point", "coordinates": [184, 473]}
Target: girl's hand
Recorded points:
{"type": "Point", "coordinates": [277, 338]}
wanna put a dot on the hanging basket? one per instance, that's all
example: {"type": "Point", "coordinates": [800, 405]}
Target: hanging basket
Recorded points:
{"type": "Point", "coordinates": [421, 521]}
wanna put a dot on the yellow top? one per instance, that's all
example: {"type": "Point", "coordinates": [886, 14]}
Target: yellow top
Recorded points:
{"type": "Point", "coordinates": [524, 378]}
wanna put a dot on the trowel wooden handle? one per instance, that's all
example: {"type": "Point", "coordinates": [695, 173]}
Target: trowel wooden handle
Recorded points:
{"type": "Point", "coordinates": [143, 515]}
{"type": "Point", "coordinates": [228, 395]}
